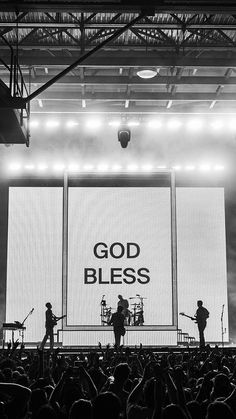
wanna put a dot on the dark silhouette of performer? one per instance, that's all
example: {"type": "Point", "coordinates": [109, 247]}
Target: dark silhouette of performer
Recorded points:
{"type": "Point", "coordinates": [125, 308]}
{"type": "Point", "coordinates": [201, 316]}
{"type": "Point", "coordinates": [51, 321]}
{"type": "Point", "coordinates": [117, 320]}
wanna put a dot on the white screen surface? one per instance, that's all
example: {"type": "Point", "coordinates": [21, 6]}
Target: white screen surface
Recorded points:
{"type": "Point", "coordinates": [34, 256]}
{"type": "Point", "coordinates": [119, 215]}
{"type": "Point", "coordinates": [201, 245]}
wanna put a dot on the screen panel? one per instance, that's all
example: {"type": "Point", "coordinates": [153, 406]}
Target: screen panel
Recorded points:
{"type": "Point", "coordinates": [105, 223]}
{"type": "Point", "coordinates": [34, 261]}
{"type": "Point", "coordinates": [201, 247]}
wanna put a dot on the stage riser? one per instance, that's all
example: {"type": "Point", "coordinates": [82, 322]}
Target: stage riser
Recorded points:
{"type": "Point", "coordinates": [146, 337]}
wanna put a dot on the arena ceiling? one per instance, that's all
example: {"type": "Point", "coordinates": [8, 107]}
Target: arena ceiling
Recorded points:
{"type": "Point", "coordinates": [191, 45]}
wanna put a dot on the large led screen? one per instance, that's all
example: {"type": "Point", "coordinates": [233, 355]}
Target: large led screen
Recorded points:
{"type": "Point", "coordinates": [119, 242]}
{"type": "Point", "coordinates": [34, 261]}
{"type": "Point", "coordinates": [201, 257]}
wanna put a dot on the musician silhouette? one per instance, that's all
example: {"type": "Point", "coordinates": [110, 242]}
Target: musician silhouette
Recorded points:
{"type": "Point", "coordinates": [201, 316]}
{"type": "Point", "coordinates": [51, 321]}
{"type": "Point", "coordinates": [117, 320]}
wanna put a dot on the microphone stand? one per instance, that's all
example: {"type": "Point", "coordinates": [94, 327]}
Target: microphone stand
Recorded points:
{"type": "Point", "coordinates": [222, 325]}
{"type": "Point", "coordinates": [102, 314]}
{"type": "Point", "coordinates": [22, 325]}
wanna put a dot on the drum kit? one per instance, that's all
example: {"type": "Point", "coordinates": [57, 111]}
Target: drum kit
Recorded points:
{"type": "Point", "coordinates": [133, 316]}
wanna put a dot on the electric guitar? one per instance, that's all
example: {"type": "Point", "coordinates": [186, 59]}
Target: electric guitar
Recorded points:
{"type": "Point", "coordinates": [190, 317]}
{"type": "Point", "coordinates": [56, 319]}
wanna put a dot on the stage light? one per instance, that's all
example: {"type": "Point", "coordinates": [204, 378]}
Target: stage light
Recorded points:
{"type": "Point", "coordinates": [147, 167]}
{"type": "Point", "coordinates": [154, 124]}
{"type": "Point", "coordinates": [133, 123]}
{"type": "Point", "coordinates": [53, 123]}
{"type": "Point", "coordinates": [102, 167]}
{"type": "Point", "coordinates": [132, 168]}
{"type": "Point", "coordinates": [88, 167]}
{"type": "Point", "coordinates": [216, 125]}
{"type": "Point", "coordinates": [93, 124]}
{"type": "Point", "coordinates": [189, 167]}
{"type": "Point", "coordinates": [114, 123]}
{"type": "Point", "coordinates": [42, 167]}
{"type": "Point", "coordinates": [232, 125]}
{"type": "Point", "coordinates": [71, 124]}
{"type": "Point", "coordinates": [174, 124]}
{"type": "Point", "coordinates": [116, 168]}
{"type": "Point", "coordinates": [34, 123]}
{"type": "Point", "coordinates": [15, 167]}
{"type": "Point", "coordinates": [59, 167]}
{"type": "Point", "coordinates": [218, 167]}
{"type": "Point", "coordinates": [177, 167]}
{"type": "Point", "coordinates": [29, 167]}
{"type": "Point", "coordinates": [205, 167]}
{"type": "Point", "coordinates": [73, 167]}
{"type": "Point", "coordinates": [194, 124]}
{"type": "Point", "coordinates": [163, 166]}
{"type": "Point", "coordinates": [124, 135]}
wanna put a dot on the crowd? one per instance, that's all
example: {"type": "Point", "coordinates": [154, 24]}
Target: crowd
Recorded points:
{"type": "Point", "coordinates": [112, 383]}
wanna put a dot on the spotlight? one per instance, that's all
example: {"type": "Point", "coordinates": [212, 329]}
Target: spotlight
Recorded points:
{"type": "Point", "coordinates": [124, 135]}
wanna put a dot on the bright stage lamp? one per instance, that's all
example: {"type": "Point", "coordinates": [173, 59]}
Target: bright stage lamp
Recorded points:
{"type": "Point", "coordinates": [154, 124]}
{"type": "Point", "coordinates": [42, 167]}
{"type": "Point", "coordinates": [14, 167]}
{"type": "Point", "coordinates": [34, 123]}
{"type": "Point", "coordinates": [93, 124]}
{"type": "Point", "coordinates": [177, 167]}
{"type": "Point", "coordinates": [133, 123]}
{"type": "Point", "coordinates": [52, 123]}
{"type": "Point", "coordinates": [194, 125]}
{"type": "Point", "coordinates": [114, 123]}
{"type": "Point", "coordinates": [216, 125]}
{"type": "Point", "coordinates": [116, 168]}
{"type": "Point", "coordinates": [29, 167]}
{"type": "Point", "coordinates": [174, 124]}
{"type": "Point", "coordinates": [102, 167]}
{"type": "Point", "coordinates": [73, 167]}
{"type": "Point", "coordinates": [88, 167]}
{"type": "Point", "coordinates": [132, 168]}
{"type": "Point", "coordinates": [147, 167]}
{"type": "Point", "coordinates": [71, 124]}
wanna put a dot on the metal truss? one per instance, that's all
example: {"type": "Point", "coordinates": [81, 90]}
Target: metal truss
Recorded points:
{"type": "Point", "coordinates": [82, 31]}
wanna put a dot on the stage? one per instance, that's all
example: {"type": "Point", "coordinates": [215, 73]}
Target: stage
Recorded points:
{"type": "Point", "coordinates": [84, 240]}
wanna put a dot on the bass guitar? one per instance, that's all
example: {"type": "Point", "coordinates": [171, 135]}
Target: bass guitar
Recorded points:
{"type": "Point", "coordinates": [190, 317]}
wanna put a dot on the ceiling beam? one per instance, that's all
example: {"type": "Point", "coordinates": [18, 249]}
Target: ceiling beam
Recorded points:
{"type": "Point", "coordinates": [98, 25]}
{"type": "Point", "coordinates": [195, 6]}
{"type": "Point", "coordinates": [135, 81]}
{"type": "Point", "coordinates": [136, 96]}
{"type": "Point", "coordinates": [123, 59]}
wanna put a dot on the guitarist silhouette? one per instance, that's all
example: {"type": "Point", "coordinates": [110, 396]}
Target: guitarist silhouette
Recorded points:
{"type": "Point", "coordinates": [51, 321]}
{"type": "Point", "coordinates": [201, 316]}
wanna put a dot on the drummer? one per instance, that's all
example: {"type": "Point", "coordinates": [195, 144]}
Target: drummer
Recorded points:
{"type": "Point", "coordinates": [125, 305]}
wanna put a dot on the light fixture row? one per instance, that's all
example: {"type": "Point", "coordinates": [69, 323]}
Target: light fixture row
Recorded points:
{"type": "Point", "coordinates": [193, 124]}
{"type": "Point", "coordinates": [108, 168]}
